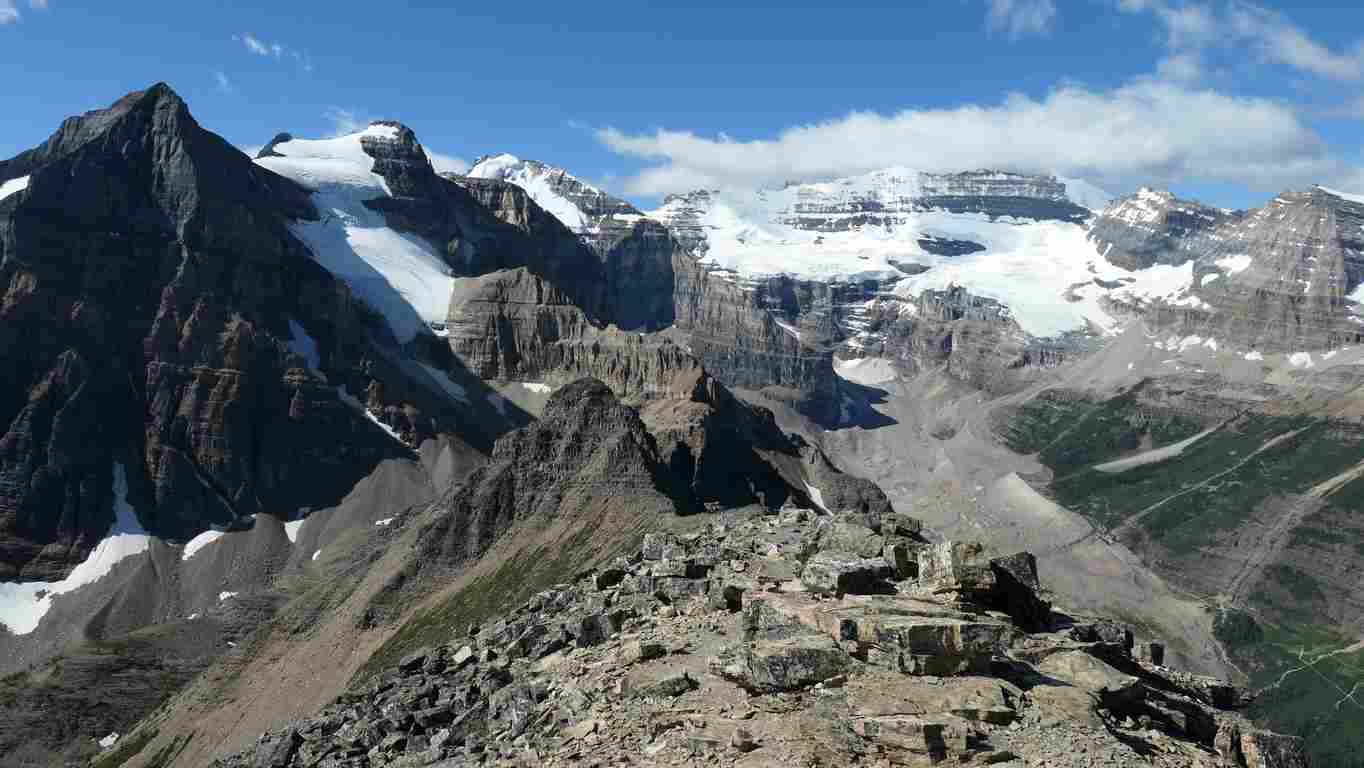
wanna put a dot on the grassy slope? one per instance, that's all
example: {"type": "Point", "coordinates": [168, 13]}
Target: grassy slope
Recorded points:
{"type": "Point", "coordinates": [1288, 614]}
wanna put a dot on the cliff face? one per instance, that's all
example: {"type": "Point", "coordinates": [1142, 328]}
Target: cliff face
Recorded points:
{"type": "Point", "coordinates": [160, 313]}
{"type": "Point", "coordinates": [1276, 279]}
{"type": "Point", "coordinates": [1154, 227]}
{"type": "Point", "coordinates": [508, 326]}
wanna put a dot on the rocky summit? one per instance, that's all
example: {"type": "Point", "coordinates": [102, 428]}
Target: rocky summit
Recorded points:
{"type": "Point", "coordinates": [793, 637]}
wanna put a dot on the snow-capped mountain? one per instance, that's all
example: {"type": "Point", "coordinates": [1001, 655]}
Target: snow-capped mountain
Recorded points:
{"type": "Point", "coordinates": [579, 205]}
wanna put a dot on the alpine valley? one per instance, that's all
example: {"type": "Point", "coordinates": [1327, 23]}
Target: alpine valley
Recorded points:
{"type": "Point", "coordinates": [325, 458]}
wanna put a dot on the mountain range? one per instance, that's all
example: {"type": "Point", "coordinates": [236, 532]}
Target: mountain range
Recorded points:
{"type": "Point", "coordinates": [277, 428]}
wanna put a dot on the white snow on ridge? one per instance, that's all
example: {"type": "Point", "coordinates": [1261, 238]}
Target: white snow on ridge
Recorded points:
{"type": "Point", "coordinates": [1342, 195]}
{"type": "Point", "coordinates": [354, 402]}
{"type": "Point", "coordinates": [21, 607]}
{"type": "Point", "coordinates": [401, 276]}
{"type": "Point", "coordinates": [1301, 360]}
{"type": "Point", "coordinates": [816, 496]}
{"type": "Point", "coordinates": [292, 528]}
{"type": "Point", "coordinates": [13, 186]}
{"type": "Point", "coordinates": [534, 180]}
{"type": "Point", "coordinates": [538, 387]}
{"type": "Point", "coordinates": [197, 543]}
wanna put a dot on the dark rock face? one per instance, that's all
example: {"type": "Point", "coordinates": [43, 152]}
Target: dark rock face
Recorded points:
{"type": "Point", "coordinates": [778, 332]}
{"type": "Point", "coordinates": [941, 246]}
{"type": "Point", "coordinates": [1153, 227]}
{"type": "Point", "coordinates": [151, 290]}
{"type": "Point", "coordinates": [587, 450]}
{"type": "Point", "coordinates": [723, 450]}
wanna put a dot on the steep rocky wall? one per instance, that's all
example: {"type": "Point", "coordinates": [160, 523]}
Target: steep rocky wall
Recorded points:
{"type": "Point", "coordinates": [151, 289]}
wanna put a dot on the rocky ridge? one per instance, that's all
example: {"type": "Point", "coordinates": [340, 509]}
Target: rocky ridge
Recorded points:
{"type": "Point", "coordinates": [786, 638]}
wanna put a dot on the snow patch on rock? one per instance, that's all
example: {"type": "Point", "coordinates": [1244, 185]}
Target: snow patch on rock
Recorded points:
{"type": "Point", "coordinates": [197, 543]}
{"type": "Point", "coordinates": [13, 186]}
{"type": "Point", "coordinates": [866, 370]}
{"type": "Point", "coordinates": [354, 402]}
{"type": "Point", "coordinates": [23, 605]}
{"type": "Point", "coordinates": [292, 528]}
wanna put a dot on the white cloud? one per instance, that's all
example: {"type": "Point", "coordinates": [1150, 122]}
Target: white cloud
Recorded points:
{"type": "Point", "coordinates": [276, 51]}
{"type": "Point", "coordinates": [1181, 67]}
{"type": "Point", "coordinates": [1193, 26]}
{"type": "Point", "coordinates": [225, 84]}
{"type": "Point", "coordinates": [1149, 131]}
{"type": "Point", "coordinates": [1020, 18]}
{"type": "Point", "coordinates": [253, 45]}
{"type": "Point", "coordinates": [9, 10]}
{"type": "Point", "coordinates": [444, 163]}
{"type": "Point", "coordinates": [1283, 43]}
{"type": "Point", "coordinates": [345, 121]}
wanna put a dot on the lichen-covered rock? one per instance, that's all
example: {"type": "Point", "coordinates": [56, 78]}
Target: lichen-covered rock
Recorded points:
{"type": "Point", "coordinates": [843, 573]}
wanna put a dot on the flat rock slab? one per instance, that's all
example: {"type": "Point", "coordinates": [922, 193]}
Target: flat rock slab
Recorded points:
{"type": "Point", "coordinates": [788, 663]}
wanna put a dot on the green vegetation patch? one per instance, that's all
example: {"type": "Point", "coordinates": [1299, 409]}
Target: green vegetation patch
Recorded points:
{"type": "Point", "coordinates": [1069, 431]}
{"type": "Point", "coordinates": [1304, 689]}
{"type": "Point", "coordinates": [1215, 484]}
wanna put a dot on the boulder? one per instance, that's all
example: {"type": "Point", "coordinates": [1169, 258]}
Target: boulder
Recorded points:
{"type": "Point", "coordinates": [669, 686]}
{"type": "Point", "coordinates": [1016, 591]}
{"type": "Point", "coordinates": [850, 537]}
{"type": "Point", "coordinates": [843, 573]}
{"type": "Point", "coordinates": [786, 664]}
{"type": "Point", "coordinates": [956, 567]}
{"type": "Point", "coordinates": [277, 751]}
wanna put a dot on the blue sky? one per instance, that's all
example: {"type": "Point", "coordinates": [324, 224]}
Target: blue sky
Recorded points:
{"type": "Point", "coordinates": [1227, 101]}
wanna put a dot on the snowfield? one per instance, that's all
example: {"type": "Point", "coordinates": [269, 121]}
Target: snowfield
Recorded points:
{"type": "Point", "coordinates": [23, 605]}
{"type": "Point", "coordinates": [866, 370]}
{"type": "Point", "coordinates": [401, 276]}
{"type": "Point", "coordinates": [1046, 272]}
